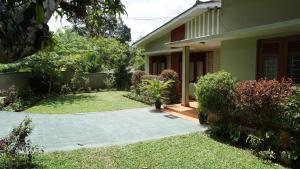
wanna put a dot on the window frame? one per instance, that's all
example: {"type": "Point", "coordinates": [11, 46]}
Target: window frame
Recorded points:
{"type": "Point", "coordinates": [158, 60]}
{"type": "Point", "coordinates": [283, 53]}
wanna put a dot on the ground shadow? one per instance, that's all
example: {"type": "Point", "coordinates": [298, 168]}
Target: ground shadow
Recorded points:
{"type": "Point", "coordinates": [156, 111]}
{"type": "Point", "coordinates": [59, 100]}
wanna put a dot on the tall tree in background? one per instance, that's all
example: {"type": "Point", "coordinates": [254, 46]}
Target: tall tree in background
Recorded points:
{"type": "Point", "coordinates": [106, 25]}
{"type": "Point", "coordinates": [24, 26]}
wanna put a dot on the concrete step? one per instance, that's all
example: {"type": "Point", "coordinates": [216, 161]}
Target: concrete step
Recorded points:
{"type": "Point", "coordinates": [186, 111]}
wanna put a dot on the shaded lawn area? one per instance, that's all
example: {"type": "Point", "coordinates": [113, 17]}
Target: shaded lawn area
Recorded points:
{"type": "Point", "coordinates": [85, 102]}
{"type": "Point", "coordinates": [190, 151]}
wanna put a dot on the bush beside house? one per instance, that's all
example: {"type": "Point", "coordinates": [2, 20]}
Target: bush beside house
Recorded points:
{"type": "Point", "coordinates": [170, 93]}
{"type": "Point", "coordinates": [263, 115]}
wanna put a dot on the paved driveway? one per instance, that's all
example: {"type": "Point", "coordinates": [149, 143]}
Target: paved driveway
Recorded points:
{"type": "Point", "coordinates": [67, 132]}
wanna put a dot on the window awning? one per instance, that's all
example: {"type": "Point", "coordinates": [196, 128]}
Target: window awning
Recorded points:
{"type": "Point", "coordinates": [264, 30]}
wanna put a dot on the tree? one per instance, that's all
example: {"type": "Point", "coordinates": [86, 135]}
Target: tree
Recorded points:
{"type": "Point", "coordinates": [138, 62]}
{"type": "Point", "coordinates": [24, 26]}
{"type": "Point", "coordinates": [108, 26]}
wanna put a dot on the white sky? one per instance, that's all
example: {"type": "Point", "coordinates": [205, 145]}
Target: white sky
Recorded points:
{"type": "Point", "coordinates": [143, 9]}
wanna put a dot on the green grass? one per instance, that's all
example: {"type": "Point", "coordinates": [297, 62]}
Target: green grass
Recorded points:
{"type": "Point", "coordinates": [190, 151]}
{"type": "Point", "coordinates": [86, 102]}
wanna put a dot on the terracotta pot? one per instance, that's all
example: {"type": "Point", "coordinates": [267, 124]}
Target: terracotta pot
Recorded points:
{"type": "Point", "coordinates": [212, 117]}
{"type": "Point", "coordinates": [285, 138]}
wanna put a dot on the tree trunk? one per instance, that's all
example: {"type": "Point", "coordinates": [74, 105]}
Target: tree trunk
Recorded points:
{"type": "Point", "coordinates": [18, 40]}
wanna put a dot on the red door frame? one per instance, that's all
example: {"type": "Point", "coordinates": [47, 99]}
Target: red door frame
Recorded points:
{"type": "Point", "coordinates": [176, 62]}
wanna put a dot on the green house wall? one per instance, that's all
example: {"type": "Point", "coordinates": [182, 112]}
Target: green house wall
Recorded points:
{"type": "Point", "coordinates": [159, 43]}
{"type": "Point", "coordinates": [238, 14]}
{"type": "Point", "coordinates": [239, 56]}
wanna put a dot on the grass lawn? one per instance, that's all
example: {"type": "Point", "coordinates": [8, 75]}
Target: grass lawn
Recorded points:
{"type": "Point", "coordinates": [190, 151]}
{"type": "Point", "coordinates": [86, 102]}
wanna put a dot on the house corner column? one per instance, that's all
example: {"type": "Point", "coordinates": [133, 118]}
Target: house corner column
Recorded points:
{"type": "Point", "coordinates": [147, 64]}
{"type": "Point", "coordinates": [185, 75]}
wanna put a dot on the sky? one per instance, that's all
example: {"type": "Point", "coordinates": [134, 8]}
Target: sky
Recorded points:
{"type": "Point", "coordinates": [144, 16]}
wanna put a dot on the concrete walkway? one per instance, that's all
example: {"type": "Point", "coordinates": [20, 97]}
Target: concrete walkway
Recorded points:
{"type": "Point", "coordinates": [68, 132]}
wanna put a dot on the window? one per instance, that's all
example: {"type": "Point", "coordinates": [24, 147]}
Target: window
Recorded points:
{"type": "Point", "coordinates": [197, 66]}
{"type": "Point", "coordinates": [270, 67]}
{"type": "Point", "coordinates": [158, 64]}
{"type": "Point", "coordinates": [294, 68]}
{"type": "Point", "coordinates": [279, 58]}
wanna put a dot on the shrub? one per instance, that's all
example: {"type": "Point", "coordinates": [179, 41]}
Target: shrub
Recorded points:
{"type": "Point", "coordinates": [154, 89]}
{"type": "Point", "coordinates": [10, 95]}
{"type": "Point", "coordinates": [171, 92]}
{"type": "Point", "coordinates": [122, 77]}
{"type": "Point", "coordinates": [169, 74]}
{"type": "Point", "coordinates": [110, 81]}
{"type": "Point", "coordinates": [39, 83]}
{"type": "Point", "coordinates": [16, 151]}
{"type": "Point", "coordinates": [260, 101]}
{"type": "Point", "coordinates": [290, 118]}
{"type": "Point", "coordinates": [141, 98]}
{"type": "Point", "coordinates": [215, 93]}
{"type": "Point", "coordinates": [150, 77]}
{"type": "Point", "coordinates": [136, 78]}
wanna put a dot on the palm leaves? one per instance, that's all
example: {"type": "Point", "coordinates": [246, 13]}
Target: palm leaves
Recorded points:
{"type": "Point", "coordinates": [154, 88]}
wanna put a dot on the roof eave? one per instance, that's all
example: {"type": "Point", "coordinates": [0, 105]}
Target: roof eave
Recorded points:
{"type": "Point", "coordinates": [143, 40]}
{"type": "Point", "coordinates": [263, 30]}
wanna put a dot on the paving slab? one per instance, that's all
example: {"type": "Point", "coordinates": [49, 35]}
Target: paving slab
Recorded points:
{"type": "Point", "coordinates": [85, 130]}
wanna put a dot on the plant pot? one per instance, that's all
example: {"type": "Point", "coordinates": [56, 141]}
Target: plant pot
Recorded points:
{"type": "Point", "coordinates": [285, 138]}
{"type": "Point", "coordinates": [158, 105]}
{"type": "Point", "coordinates": [212, 117]}
{"type": "Point", "coordinates": [202, 118]}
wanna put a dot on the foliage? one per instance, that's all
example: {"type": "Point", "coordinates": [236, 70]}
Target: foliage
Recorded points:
{"type": "Point", "coordinates": [110, 81]}
{"type": "Point", "coordinates": [10, 95]}
{"type": "Point", "coordinates": [263, 114]}
{"type": "Point", "coordinates": [254, 141]}
{"type": "Point", "coordinates": [169, 95]}
{"type": "Point", "coordinates": [171, 92]}
{"type": "Point", "coordinates": [215, 94]}
{"type": "Point", "coordinates": [260, 101]}
{"type": "Point", "coordinates": [93, 63]}
{"type": "Point", "coordinates": [45, 71]}
{"type": "Point", "coordinates": [138, 59]}
{"type": "Point", "coordinates": [17, 100]}
{"type": "Point", "coordinates": [150, 77]}
{"type": "Point", "coordinates": [136, 78]}
{"type": "Point", "coordinates": [155, 88]}
{"type": "Point", "coordinates": [122, 77]}
{"type": "Point", "coordinates": [109, 26]}
{"type": "Point", "coordinates": [75, 53]}
{"type": "Point", "coordinates": [169, 74]}
{"type": "Point", "coordinates": [290, 117]}
{"type": "Point", "coordinates": [140, 98]}
{"type": "Point", "coordinates": [29, 21]}
{"type": "Point", "coordinates": [267, 155]}
{"type": "Point", "coordinates": [16, 151]}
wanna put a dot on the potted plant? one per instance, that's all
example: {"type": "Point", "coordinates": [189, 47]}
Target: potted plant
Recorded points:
{"type": "Point", "coordinates": [202, 117]}
{"type": "Point", "coordinates": [154, 89]}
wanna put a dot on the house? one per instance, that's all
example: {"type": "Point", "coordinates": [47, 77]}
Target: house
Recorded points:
{"type": "Point", "coordinates": [251, 39]}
